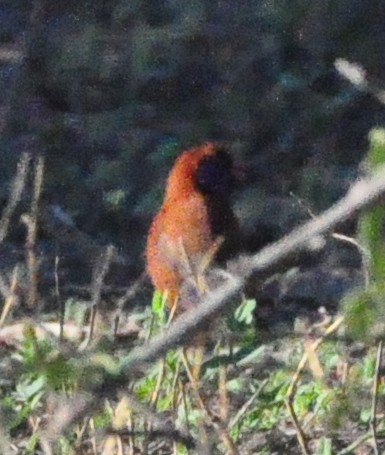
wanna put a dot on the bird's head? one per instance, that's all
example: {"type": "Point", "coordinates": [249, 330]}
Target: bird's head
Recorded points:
{"type": "Point", "coordinates": [207, 169]}
{"type": "Point", "coordinates": [214, 173]}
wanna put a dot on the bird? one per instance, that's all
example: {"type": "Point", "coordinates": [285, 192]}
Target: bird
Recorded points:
{"type": "Point", "coordinates": [195, 224]}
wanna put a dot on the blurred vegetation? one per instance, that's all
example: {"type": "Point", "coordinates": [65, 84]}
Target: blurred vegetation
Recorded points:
{"type": "Point", "coordinates": [365, 309]}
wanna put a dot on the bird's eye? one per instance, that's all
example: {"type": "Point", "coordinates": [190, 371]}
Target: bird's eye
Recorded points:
{"type": "Point", "coordinates": [214, 174]}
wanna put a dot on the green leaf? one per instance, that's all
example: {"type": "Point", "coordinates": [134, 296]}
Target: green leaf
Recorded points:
{"type": "Point", "coordinates": [158, 306]}
{"type": "Point", "coordinates": [245, 311]}
{"type": "Point", "coordinates": [27, 390]}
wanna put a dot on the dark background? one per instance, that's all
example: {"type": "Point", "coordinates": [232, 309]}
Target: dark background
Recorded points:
{"type": "Point", "coordinates": [111, 92]}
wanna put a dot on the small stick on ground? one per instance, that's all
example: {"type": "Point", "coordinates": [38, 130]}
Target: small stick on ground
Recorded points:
{"type": "Point", "coordinates": [221, 431]}
{"type": "Point", "coordinates": [300, 434]}
{"type": "Point", "coordinates": [240, 414]}
{"type": "Point", "coordinates": [11, 298]}
{"type": "Point", "coordinates": [354, 445]}
{"type": "Point", "coordinates": [223, 397]}
{"type": "Point", "coordinates": [31, 222]}
{"type": "Point", "coordinates": [158, 385]}
{"type": "Point", "coordinates": [291, 390]}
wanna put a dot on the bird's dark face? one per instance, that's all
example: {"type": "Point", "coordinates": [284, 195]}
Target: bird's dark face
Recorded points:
{"type": "Point", "coordinates": [214, 174]}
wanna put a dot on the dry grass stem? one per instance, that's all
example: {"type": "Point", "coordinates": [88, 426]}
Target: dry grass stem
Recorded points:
{"type": "Point", "coordinates": [16, 191]}
{"type": "Point", "coordinates": [31, 222]}
{"type": "Point", "coordinates": [376, 380]}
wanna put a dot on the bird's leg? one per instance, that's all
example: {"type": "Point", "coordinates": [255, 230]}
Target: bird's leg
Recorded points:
{"type": "Point", "coordinates": [197, 354]}
{"type": "Point", "coordinates": [223, 396]}
{"type": "Point", "coordinates": [205, 263]}
{"type": "Point", "coordinates": [210, 253]}
{"type": "Point", "coordinates": [172, 297]}
{"type": "Point", "coordinates": [199, 278]}
{"type": "Point", "coordinates": [185, 262]}
{"type": "Point", "coordinates": [189, 269]}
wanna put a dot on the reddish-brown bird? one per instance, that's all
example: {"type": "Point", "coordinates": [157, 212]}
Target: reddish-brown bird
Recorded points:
{"type": "Point", "coordinates": [195, 222]}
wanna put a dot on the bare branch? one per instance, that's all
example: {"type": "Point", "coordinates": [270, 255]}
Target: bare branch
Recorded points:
{"type": "Point", "coordinates": [100, 272]}
{"type": "Point", "coordinates": [31, 223]}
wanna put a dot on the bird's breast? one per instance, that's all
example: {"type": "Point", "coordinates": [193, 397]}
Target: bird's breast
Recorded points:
{"type": "Point", "coordinates": [180, 235]}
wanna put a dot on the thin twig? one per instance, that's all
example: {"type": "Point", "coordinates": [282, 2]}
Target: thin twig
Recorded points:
{"type": "Point", "coordinates": [59, 302]}
{"type": "Point", "coordinates": [92, 436]}
{"type": "Point", "coordinates": [31, 223]}
{"type": "Point", "coordinates": [299, 432]}
{"type": "Point", "coordinates": [17, 188]}
{"type": "Point", "coordinates": [220, 429]}
{"type": "Point", "coordinates": [315, 345]}
{"type": "Point", "coordinates": [365, 255]}
{"type": "Point", "coordinates": [173, 389]}
{"type": "Point", "coordinates": [131, 437]}
{"type": "Point", "coordinates": [351, 447]}
{"type": "Point", "coordinates": [61, 228]}
{"type": "Point", "coordinates": [11, 298]}
{"type": "Point", "coordinates": [158, 385]}
{"type": "Point", "coordinates": [82, 428]}
{"type": "Point", "coordinates": [131, 291]}
{"type": "Point", "coordinates": [100, 273]}
{"type": "Point", "coordinates": [291, 390]}
{"type": "Point", "coordinates": [241, 413]}
{"type": "Point", "coordinates": [223, 396]}
{"type": "Point", "coordinates": [373, 418]}
{"type": "Point", "coordinates": [195, 387]}
{"type": "Point", "coordinates": [128, 295]}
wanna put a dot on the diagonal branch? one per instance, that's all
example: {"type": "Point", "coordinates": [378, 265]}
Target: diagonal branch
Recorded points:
{"type": "Point", "coordinates": [362, 194]}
